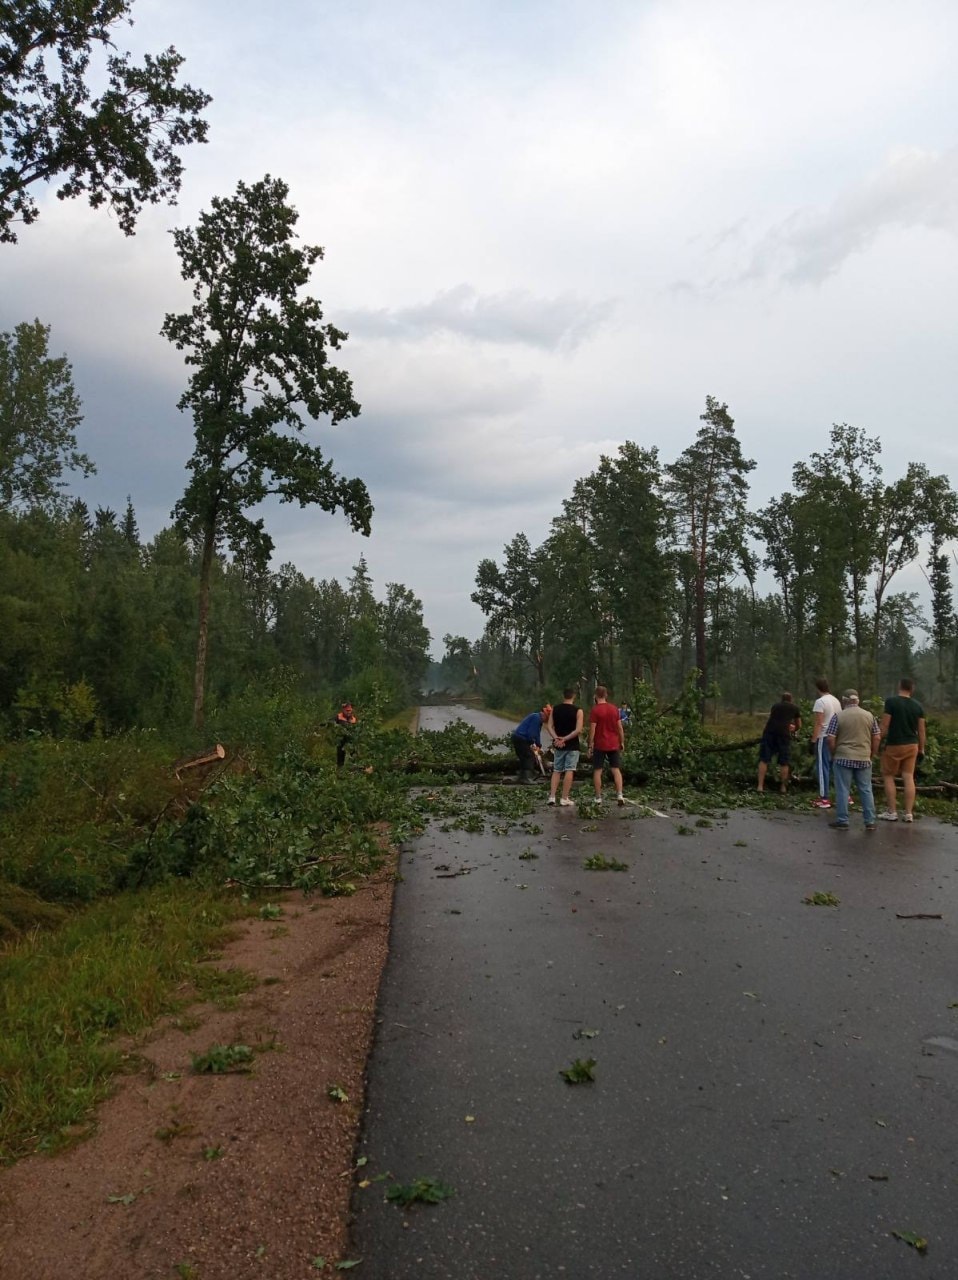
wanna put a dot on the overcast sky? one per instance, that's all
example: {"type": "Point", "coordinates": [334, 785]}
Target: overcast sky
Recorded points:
{"type": "Point", "coordinates": [550, 226]}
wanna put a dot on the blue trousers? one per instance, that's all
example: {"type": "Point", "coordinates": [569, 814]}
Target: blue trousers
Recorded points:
{"type": "Point", "coordinates": [843, 784]}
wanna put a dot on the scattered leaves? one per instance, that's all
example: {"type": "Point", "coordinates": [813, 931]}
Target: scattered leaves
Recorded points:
{"type": "Point", "coordinates": [337, 1093]}
{"type": "Point", "coordinates": [223, 1058]}
{"type": "Point", "coordinates": [582, 1071]}
{"type": "Point", "coordinates": [421, 1191]}
{"type": "Point", "coordinates": [913, 1238]}
{"type": "Point", "coordinates": [584, 1033]}
{"type": "Point", "coordinates": [599, 862]}
{"type": "Point", "coordinates": [821, 899]}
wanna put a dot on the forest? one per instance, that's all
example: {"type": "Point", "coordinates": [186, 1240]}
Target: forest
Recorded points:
{"type": "Point", "coordinates": [652, 570]}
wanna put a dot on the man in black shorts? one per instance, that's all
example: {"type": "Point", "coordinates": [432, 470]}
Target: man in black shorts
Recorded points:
{"type": "Point", "coordinates": [782, 725]}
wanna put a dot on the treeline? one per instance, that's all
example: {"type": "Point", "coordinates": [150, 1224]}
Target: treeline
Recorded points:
{"type": "Point", "coordinates": [650, 571]}
{"type": "Point", "coordinates": [98, 630]}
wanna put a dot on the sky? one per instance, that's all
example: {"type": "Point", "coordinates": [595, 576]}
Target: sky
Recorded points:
{"type": "Point", "coordinates": [549, 227]}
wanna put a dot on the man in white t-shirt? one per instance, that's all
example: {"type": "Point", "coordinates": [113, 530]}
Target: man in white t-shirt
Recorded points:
{"type": "Point", "coordinates": [826, 706]}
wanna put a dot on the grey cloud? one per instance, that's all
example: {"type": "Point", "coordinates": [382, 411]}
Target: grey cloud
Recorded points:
{"type": "Point", "coordinates": [917, 189]}
{"type": "Point", "coordinates": [516, 316]}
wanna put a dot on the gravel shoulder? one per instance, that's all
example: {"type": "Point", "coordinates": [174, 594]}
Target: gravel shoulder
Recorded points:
{"type": "Point", "coordinates": [223, 1177]}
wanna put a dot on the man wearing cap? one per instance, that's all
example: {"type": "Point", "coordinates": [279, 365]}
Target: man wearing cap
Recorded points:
{"type": "Point", "coordinates": [853, 735]}
{"type": "Point", "coordinates": [344, 721]}
{"type": "Point", "coordinates": [527, 739]}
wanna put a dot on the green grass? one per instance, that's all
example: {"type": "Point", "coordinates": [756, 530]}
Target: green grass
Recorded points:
{"type": "Point", "coordinates": [66, 996]}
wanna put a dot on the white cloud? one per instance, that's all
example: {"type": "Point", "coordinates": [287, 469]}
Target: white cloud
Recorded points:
{"type": "Point", "coordinates": [560, 323]}
{"type": "Point", "coordinates": [914, 189]}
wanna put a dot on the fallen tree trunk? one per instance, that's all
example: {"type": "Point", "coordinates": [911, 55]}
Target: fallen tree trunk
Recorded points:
{"type": "Point", "coordinates": [209, 756]}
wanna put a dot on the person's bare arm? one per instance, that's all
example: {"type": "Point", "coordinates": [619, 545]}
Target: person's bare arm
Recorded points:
{"type": "Point", "coordinates": [921, 735]}
{"type": "Point", "coordinates": [883, 727]}
{"type": "Point", "coordinates": [621, 736]}
{"type": "Point", "coordinates": [819, 727]}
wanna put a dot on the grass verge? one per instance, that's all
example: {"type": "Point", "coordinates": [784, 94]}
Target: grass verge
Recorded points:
{"type": "Point", "coordinates": [67, 996]}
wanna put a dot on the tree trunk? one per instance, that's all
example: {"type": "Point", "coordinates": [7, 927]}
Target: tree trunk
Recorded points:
{"type": "Point", "coordinates": [700, 654]}
{"type": "Point", "coordinates": [199, 672]}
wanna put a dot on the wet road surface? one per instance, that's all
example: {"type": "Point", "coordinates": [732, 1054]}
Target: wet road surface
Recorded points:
{"type": "Point", "coordinates": [492, 725]}
{"type": "Point", "coordinates": [776, 1083]}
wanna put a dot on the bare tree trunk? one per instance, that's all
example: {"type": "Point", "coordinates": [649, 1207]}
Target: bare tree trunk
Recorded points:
{"type": "Point", "coordinates": [202, 639]}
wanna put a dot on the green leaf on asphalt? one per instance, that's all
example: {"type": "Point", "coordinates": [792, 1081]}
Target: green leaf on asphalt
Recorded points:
{"type": "Point", "coordinates": [913, 1238]}
{"type": "Point", "coordinates": [582, 1071]}
{"type": "Point", "coordinates": [421, 1191]}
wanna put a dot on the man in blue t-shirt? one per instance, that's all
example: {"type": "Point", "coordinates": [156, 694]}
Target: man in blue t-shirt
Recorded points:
{"type": "Point", "coordinates": [527, 739]}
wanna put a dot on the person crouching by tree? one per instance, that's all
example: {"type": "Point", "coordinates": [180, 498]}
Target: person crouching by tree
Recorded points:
{"type": "Point", "coordinates": [565, 727]}
{"type": "Point", "coordinates": [606, 742]}
{"type": "Point", "coordinates": [527, 739]}
{"type": "Point", "coordinates": [345, 720]}
{"type": "Point", "coordinates": [784, 721]}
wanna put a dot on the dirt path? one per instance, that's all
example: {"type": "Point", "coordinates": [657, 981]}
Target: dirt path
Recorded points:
{"type": "Point", "coordinates": [223, 1177]}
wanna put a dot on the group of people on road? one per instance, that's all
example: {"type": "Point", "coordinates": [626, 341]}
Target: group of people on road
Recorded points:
{"type": "Point", "coordinates": [565, 724]}
{"type": "Point", "coordinates": [846, 738]}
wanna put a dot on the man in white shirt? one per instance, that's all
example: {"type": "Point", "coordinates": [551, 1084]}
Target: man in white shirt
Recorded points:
{"type": "Point", "coordinates": [826, 706]}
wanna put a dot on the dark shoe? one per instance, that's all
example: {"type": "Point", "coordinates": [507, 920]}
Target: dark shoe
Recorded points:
{"type": "Point", "coordinates": [839, 826]}
{"type": "Point", "coordinates": [871, 826]}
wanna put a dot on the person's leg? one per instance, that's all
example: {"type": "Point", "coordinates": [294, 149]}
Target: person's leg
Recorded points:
{"type": "Point", "coordinates": [784, 771]}
{"type": "Point", "coordinates": [842, 782]}
{"type": "Point", "coordinates": [823, 769]}
{"type": "Point", "coordinates": [567, 779]}
{"type": "Point", "coordinates": [554, 784]}
{"type": "Point", "coordinates": [617, 779]}
{"type": "Point", "coordinates": [866, 793]}
{"type": "Point", "coordinates": [908, 782]}
{"type": "Point", "coordinates": [527, 763]}
{"type": "Point", "coordinates": [888, 771]}
{"type": "Point", "coordinates": [762, 771]}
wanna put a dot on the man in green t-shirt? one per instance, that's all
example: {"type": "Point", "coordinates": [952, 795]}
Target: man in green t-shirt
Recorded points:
{"type": "Point", "coordinates": [903, 733]}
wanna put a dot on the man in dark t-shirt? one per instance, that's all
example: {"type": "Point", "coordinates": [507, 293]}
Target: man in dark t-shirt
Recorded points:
{"type": "Point", "coordinates": [783, 723]}
{"type": "Point", "coordinates": [903, 732]}
{"type": "Point", "coordinates": [565, 727]}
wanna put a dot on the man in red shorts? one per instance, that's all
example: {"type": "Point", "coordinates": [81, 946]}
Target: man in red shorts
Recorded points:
{"type": "Point", "coordinates": [606, 741]}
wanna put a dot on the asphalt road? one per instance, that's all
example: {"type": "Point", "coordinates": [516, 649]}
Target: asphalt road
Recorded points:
{"type": "Point", "coordinates": [484, 721]}
{"type": "Point", "coordinates": [775, 1083]}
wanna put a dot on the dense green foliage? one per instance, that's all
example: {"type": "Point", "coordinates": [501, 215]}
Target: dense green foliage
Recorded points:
{"type": "Point", "coordinates": [98, 633]}
{"type": "Point", "coordinates": [260, 355]}
{"type": "Point", "coordinates": [650, 572]}
{"type": "Point", "coordinates": [118, 148]}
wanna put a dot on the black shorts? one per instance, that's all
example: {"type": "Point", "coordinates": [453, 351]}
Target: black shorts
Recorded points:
{"type": "Point", "coordinates": [774, 745]}
{"type": "Point", "coordinates": [602, 758]}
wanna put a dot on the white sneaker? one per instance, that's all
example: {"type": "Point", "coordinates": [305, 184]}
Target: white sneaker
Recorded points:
{"type": "Point", "coordinates": [620, 798]}
{"type": "Point", "coordinates": [551, 800]}
{"type": "Point", "coordinates": [567, 803]}
{"type": "Point", "coordinates": [888, 816]}
{"type": "Point", "coordinates": [907, 817]}
{"type": "Point", "coordinates": [596, 799]}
